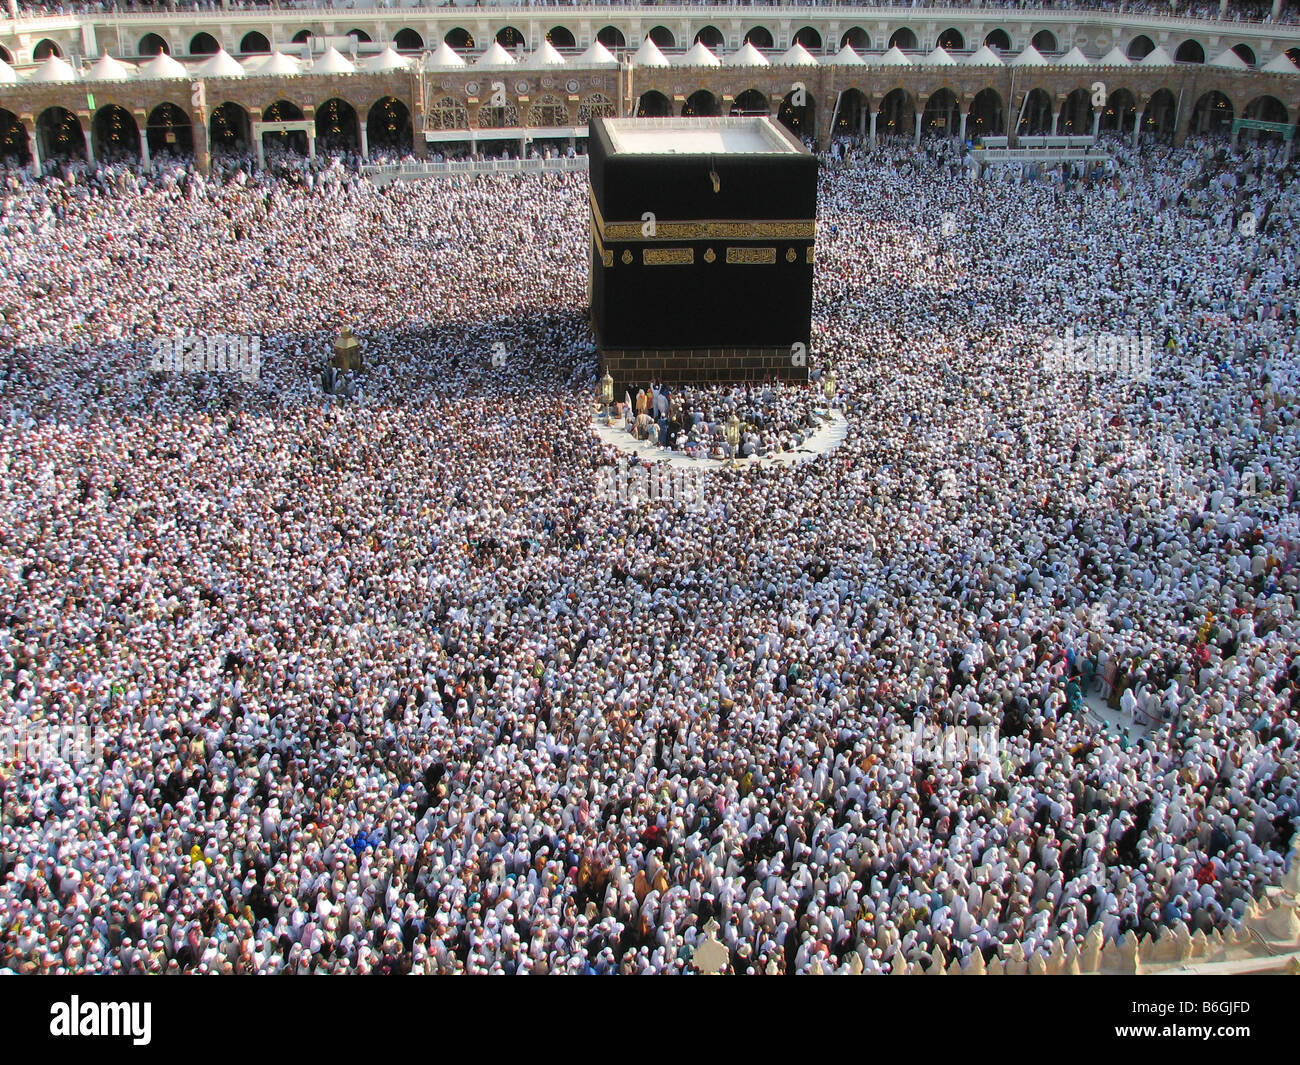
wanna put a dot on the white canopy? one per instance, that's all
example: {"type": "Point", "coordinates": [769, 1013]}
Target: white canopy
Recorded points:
{"type": "Point", "coordinates": [596, 56]}
{"type": "Point", "coordinates": [163, 66]}
{"type": "Point", "coordinates": [1229, 60]}
{"type": "Point", "coordinates": [1074, 58]}
{"type": "Point", "coordinates": [1030, 57]}
{"type": "Point", "coordinates": [984, 56]}
{"type": "Point", "coordinates": [648, 55]}
{"type": "Point", "coordinates": [846, 57]}
{"type": "Point", "coordinates": [495, 56]}
{"type": "Point", "coordinates": [7, 74]}
{"type": "Point", "coordinates": [277, 64]}
{"type": "Point", "coordinates": [894, 58]}
{"type": "Point", "coordinates": [1280, 64]}
{"type": "Point", "coordinates": [389, 59]}
{"type": "Point", "coordinates": [1114, 58]}
{"type": "Point", "coordinates": [545, 56]}
{"type": "Point", "coordinates": [939, 58]}
{"type": "Point", "coordinates": [53, 69]}
{"type": "Point", "coordinates": [797, 56]}
{"type": "Point", "coordinates": [332, 61]}
{"type": "Point", "coordinates": [698, 56]}
{"type": "Point", "coordinates": [748, 56]}
{"type": "Point", "coordinates": [106, 68]}
{"type": "Point", "coordinates": [220, 65]}
{"type": "Point", "coordinates": [442, 56]}
{"type": "Point", "coordinates": [1157, 57]}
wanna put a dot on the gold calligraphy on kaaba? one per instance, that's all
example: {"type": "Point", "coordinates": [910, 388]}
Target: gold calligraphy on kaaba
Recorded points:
{"type": "Point", "coordinates": [705, 229]}
{"type": "Point", "coordinates": [668, 256]}
{"type": "Point", "coordinates": [751, 256]}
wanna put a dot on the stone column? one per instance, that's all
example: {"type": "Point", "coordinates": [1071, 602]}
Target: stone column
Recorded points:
{"type": "Point", "coordinates": [365, 140]}
{"type": "Point", "coordinates": [873, 127]}
{"type": "Point", "coordinates": [34, 146]}
{"type": "Point", "coordinates": [311, 144]}
{"type": "Point", "coordinates": [1096, 123]}
{"type": "Point", "coordinates": [1137, 125]}
{"type": "Point", "coordinates": [916, 139]}
{"type": "Point", "coordinates": [142, 124]}
{"type": "Point", "coordinates": [89, 134]}
{"type": "Point", "coordinates": [202, 149]}
{"type": "Point", "coordinates": [1277, 8]}
{"type": "Point", "coordinates": [961, 135]}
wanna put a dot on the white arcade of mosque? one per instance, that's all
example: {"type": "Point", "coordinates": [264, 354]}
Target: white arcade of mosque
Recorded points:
{"type": "Point", "coordinates": [411, 80]}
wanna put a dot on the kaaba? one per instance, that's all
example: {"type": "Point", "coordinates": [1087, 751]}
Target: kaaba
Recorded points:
{"type": "Point", "coordinates": [701, 249]}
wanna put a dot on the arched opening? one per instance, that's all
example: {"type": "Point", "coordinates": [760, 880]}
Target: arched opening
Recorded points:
{"type": "Point", "coordinates": [1045, 42]}
{"type": "Point", "coordinates": [59, 134]}
{"type": "Point", "coordinates": [229, 129]}
{"type": "Point", "coordinates": [597, 105]}
{"type": "Point", "coordinates": [612, 38]}
{"type": "Point", "coordinates": [750, 102]}
{"type": "Point", "coordinates": [152, 44]}
{"type": "Point", "coordinates": [448, 113]}
{"type": "Point", "coordinates": [407, 40]}
{"type": "Point", "coordinates": [459, 38]}
{"type": "Point", "coordinates": [800, 118]}
{"type": "Point", "coordinates": [999, 41]}
{"type": "Point", "coordinates": [505, 117]}
{"type": "Point", "coordinates": [654, 104]}
{"type": "Point", "coordinates": [115, 135]}
{"type": "Point", "coordinates": [1160, 113]}
{"type": "Point", "coordinates": [951, 40]}
{"type": "Point", "coordinates": [1212, 114]}
{"type": "Point", "coordinates": [897, 114]}
{"type": "Point", "coordinates": [987, 116]}
{"type": "Point", "coordinates": [1036, 114]}
{"type": "Point", "coordinates": [1120, 112]}
{"type": "Point", "coordinates": [710, 37]}
{"type": "Point", "coordinates": [942, 115]}
{"type": "Point", "coordinates": [511, 39]}
{"type": "Point", "coordinates": [294, 141]}
{"type": "Point", "coordinates": [362, 37]}
{"type": "Point", "coordinates": [1293, 54]}
{"type": "Point", "coordinates": [301, 37]}
{"type": "Point", "coordinates": [852, 115]}
{"type": "Point", "coordinates": [204, 44]}
{"type": "Point", "coordinates": [168, 129]}
{"type": "Point", "coordinates": [1245, 53]}
{"type": "Point", "coordinates": [662, 37]}
{"type": "Point", "coordinates": [388, 126]}
{"type": "Point", "coordinates": [1076, 114]}
{"type": "Point", "coordinates": [6, 55]}
{"type": "Point", "coordinates": [903, 39]}
{"type": "Point", "coordinates": [1264, 109]}
{"type": "Point", "coordinates": [760, 37]}
{"type": "Point", "coordinates": [809, 38]}
{"type": "Point", "coordinates": [856, 38]}
{"type": "Point", "coordinates": [702, 104]}
{"type": "Point", "coordinates": [254, 44]}
{"type": "Point", "coordinates": [548, 111]}
{"type": "Point", "coordinates": [14, 149]}
{"type": "Point", "coordinates": [1140, 47]}
{"type": "Point", "coordinates": [561, 37]}
{"type": "Point", "coordinates": [44, 49]}
{"type": "Point", "coordinates": [1190, 52]}
{"type": "Point", "coordinates": [337, 129]}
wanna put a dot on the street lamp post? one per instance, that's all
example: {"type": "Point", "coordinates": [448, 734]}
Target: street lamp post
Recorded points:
{"type": "Point", "coordinates": [733, 435]}
{"type": "Point", "coordinates": [607, 393]}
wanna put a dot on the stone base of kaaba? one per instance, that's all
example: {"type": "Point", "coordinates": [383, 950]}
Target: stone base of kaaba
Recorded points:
{"type": "Point", "coordinates": [699, 366]}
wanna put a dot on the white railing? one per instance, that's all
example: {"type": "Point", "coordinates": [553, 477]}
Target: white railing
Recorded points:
{"type": "Point", "coordinates": [409, 171]}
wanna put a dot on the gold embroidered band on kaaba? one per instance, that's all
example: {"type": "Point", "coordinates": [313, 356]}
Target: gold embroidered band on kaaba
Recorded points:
{"type": "Point", "coordinates": [713, 229]}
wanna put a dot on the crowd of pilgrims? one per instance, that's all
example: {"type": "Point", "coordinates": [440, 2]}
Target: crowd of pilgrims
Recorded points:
{"type": "Point", "coordinates": [384, 686]}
